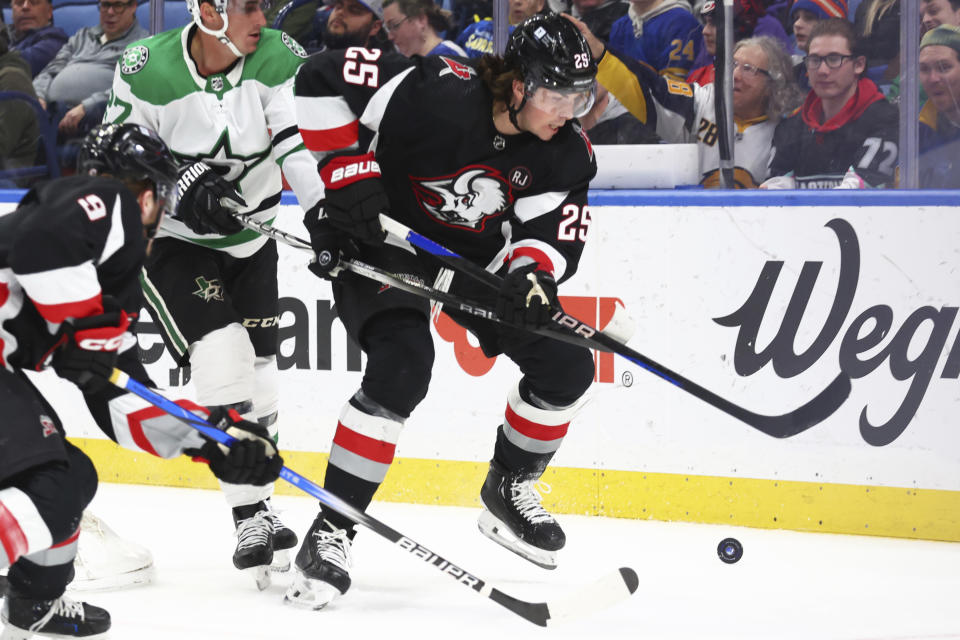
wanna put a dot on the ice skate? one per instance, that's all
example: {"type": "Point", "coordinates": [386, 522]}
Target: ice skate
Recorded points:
{"type": "Point", "coordinates": [261, 533]}
{"type": "Point", "coordinates": [105, 561]}
{"type": "Point", "coordinates": [322, 566]}
{"type": "Point", "coordinates": [61, 618]}
{"type": "Point", "coordinates": [514, 517]}
{"type": "Point", "coordinates": [284, 539]}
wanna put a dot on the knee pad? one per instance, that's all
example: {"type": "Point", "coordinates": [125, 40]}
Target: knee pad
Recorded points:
{"type": "Point", "coordinates": [222, 366]}
{"type": "Point", "coordinates": [562, 379]}
{"type": "Point", "coordinates": [399, 360]}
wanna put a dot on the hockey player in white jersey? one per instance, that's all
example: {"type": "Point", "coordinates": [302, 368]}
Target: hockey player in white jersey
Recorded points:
{"type": "Point", "coordinates": [219, 93]}
{"type": "Point", "coordinates": [70, 256]}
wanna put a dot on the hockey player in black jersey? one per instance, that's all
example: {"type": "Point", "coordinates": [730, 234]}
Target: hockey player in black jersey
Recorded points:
{"type": "Point", "coordinates": [70, 256]}
{"type": "Point", "coordinates": [487, 158]}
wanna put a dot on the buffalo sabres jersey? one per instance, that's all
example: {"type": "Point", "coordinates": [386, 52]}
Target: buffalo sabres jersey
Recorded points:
{"type": "Point", "coordinates": [46, 277]}
{"type": "Point", "coordinates": [682, 112]}
{"type": "Point", "coordinates": [71, 243]}
{"type": "Point", "coordinates": [241, 122]}
{"type": "Point", "coordinates": [449, 174]}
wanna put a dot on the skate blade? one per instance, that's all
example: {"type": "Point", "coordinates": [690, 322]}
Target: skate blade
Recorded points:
{"type": "Point", "coordinates": [114, 582]}
{"type": "Point", "coordinates": [492, 527]}
{"type": "Point", "coordinates": [310, 594]}
{"type": "Point", "coordinates": [281, 561]}
{"type": "Point", "coordinates": [261, 575]}
{"type": "Point", "coordinates": [13, 633]}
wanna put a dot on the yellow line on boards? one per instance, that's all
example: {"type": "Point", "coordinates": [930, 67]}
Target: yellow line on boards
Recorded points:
{"type": "Point", "coordinates": [772, 504]}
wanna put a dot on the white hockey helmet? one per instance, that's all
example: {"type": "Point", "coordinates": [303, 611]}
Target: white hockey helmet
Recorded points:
{"type": "Point", "coordinates": [220, 34]}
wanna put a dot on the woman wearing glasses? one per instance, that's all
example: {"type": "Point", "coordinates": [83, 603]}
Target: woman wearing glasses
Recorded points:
{"type": "Point", "coordinates": [414, 27]}
{"type": "Point", "coordinates": [763, 90]}
{"type": "Point", "coordinates": [845, 136]}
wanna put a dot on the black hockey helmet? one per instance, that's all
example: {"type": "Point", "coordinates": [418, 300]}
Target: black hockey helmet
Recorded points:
{"type": "Point", "coordinates": [131, 152]}
{"type": "Point", "coordinates": [549, 51]}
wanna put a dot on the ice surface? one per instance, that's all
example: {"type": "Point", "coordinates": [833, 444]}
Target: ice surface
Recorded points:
{"type": "Point", "coordinates": [788, 584]}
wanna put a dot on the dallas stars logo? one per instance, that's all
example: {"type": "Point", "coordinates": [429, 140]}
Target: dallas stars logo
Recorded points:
{"type": "Point", "coordinates": [134, 59]}
{"type": "Point", "coordinates": [232, 166]}
{"type": "Point", "coordinates": [208, 289]}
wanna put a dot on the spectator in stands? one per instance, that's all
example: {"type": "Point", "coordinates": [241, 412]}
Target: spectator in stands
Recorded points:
{"type": "Point", "coordinates": [466, 12]}
{"type": "Point", "coordinates": [477, 38]}
{"type": "Point", "coordinates": [297, 22]}
{"type": "Point", "coordinates": [356, 23]}
{"type": "Point", "coordinates": [662, 33]}
{"type": "Point", "coordinates": [877, 29]}
{"type": "Point", "coordinates": [32, 33]}
{"type": "Point", "coordinates": [845, 136]}
{"type": "Point", "coordinates": [599, 15]}
{"type": "Point", "coordinates": [18, 121]}
{"type": "Point", "coordinates": [763, 92]}
{"type": "Point", "coordinates": [804, 14]}
{"type": "Point", "coordinates": [413, 27]}
{"type": "Point", "coordinates": [749, 19]}
{"type": "Point", "coordinates": [934, 13]}
{"type": "Point", "coordinates": [940, 118]}
{"type": "Point", "coordinates": [75, 85]}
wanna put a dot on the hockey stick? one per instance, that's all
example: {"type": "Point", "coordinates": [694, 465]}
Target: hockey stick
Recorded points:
{"type": "Point", "coordinates": [415, 287]}
{"type": "Point", "coordinates": [604, 592]}
{"type": "Point", "coordinates": [778, 426]}
{"type": "Point", "coordinates": [723, 95]}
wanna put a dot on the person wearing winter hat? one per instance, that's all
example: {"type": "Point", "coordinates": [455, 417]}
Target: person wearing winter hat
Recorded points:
{"type": "Point", "coordinates": [805, 13]}
{"type": "Point", "coordinates": [939, 66]}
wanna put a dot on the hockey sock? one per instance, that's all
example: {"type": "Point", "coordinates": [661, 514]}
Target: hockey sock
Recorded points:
{"type": "Point", "coordinates": [356, 491]}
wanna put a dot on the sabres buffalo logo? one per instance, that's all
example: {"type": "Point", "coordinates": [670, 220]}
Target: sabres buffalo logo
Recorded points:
{"type": "Point", "coordinates": [466, 199]}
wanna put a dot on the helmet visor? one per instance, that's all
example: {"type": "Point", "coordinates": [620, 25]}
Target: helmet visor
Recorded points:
{"type": "Point", "coordinates": [567, 104]}
{"type": "Point", "coordinates": [166, 194]}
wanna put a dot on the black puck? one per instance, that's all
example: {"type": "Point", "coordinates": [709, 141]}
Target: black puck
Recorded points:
{"type": "Point", "coordinates": [730, 550]}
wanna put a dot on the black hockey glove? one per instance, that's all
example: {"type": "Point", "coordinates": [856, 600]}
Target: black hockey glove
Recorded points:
{"type": "Point", "coordinates": [206, 201]}
{"type": "Point", "coordinates": [355, 197]}
{"type": "Point", "coordinates": [330, 246]}
{"type": "Point", "coordinates": [90, 347]}
{"type": "Point", "coordinates": [528, 297]}
{"type": "Point", "coordinates": [252, 459]}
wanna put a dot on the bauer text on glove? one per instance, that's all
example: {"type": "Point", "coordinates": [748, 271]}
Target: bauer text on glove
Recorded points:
{"type": "Point", "coordinates": [354, 195]}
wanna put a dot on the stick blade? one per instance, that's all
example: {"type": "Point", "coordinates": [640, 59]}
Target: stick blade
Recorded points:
{"type": "Point", "coordinates": [603, 593]}
{"type": "Point", "coordinates": [809, 415]}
